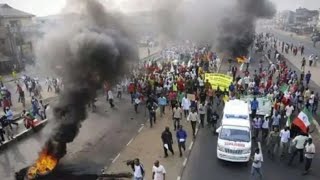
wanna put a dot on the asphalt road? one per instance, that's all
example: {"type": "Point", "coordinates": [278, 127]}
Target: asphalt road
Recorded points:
{"type": "Point", "coordinates": [203, 162]}
{"type": "Point", "coordinates": [101, 138]}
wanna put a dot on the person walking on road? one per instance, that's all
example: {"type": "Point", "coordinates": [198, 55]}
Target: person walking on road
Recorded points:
{"type": "Point", "coordinates": [284, 141]}
{"type": "Point", "coordinates": [185, 104]}
{"type": "Point", "coordinates": [152, 106]}
{"type": "Point", "coordinates": [308, 77]}
{"type": "Point", "coordinates": [202, 113]}
{"type": "Point", "coordinates": [119, 91]}
{"type": "Point", "coordinates": [193, 117]}
{"type": "Point", "coordinates": [167, 141]}
{"type": "Point", "coordinates": [177, 115]}
{"type": "Point", "coordinates": [311, 58]}
{"type": "Point", "coordinates": [273, 142]}
{"type": "Point", "coordinates": [254, 107]}
{"type": "Point", "coordinates": [110, 98]}
{"type": "Point", "coordinates": [138, 170]}
{"type": "Point", "coordinates": [303, 64]}
{"type": "Point", "coordinates": [256, 164]}
{"type": "Point", "coordinates": [9, 116]}
{"type": "Point", "coordinates": [310, 150]}
{"type": "Point", "coordinates": [162, 102]}
{"type": "Point", "coordinates": [298, 142]}
{"type": "Point", "coordinates": [158, 171]}
{"type": "Point", "coordinates": [181, 135]}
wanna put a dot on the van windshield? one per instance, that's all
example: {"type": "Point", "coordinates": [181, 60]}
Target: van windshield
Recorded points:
{"type": "Point", "coordinates": [234, 135]}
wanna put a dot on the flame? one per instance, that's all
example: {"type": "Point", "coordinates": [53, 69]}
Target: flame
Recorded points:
{"type": "Point", "coordinates": [45, 164]}
{"type": "Point", "coordinates": [241, 59]}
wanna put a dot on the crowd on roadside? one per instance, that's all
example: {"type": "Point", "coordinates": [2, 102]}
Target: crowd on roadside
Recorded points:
{"type": "Point", "coordinates": [178, 83]}
{"type": "Point", "coordinates": [30, 116]}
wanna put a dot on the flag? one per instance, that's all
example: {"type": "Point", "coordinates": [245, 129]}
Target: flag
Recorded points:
{"type": "Point", "coordinates": [284, 88]}
{"type": "Point", "coordinates": [303, 120]}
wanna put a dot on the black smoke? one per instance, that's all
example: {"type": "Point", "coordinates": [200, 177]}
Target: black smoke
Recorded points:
{"type": "Point", "coordinates": [89, 48]}
{"type": "Point", "coordinates": [237, 29]}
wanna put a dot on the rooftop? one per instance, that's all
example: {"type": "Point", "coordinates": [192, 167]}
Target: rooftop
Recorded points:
{"type": "Point", "coordinates": [7, 11]}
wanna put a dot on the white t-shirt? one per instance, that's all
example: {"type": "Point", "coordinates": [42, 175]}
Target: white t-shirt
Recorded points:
{"type": "Point", "coordinates": [137, 171]}
{"type": "Point", "coordinates": [285, 135]}
{"type": "Point", "coordinates": [246, 79]}
{"type": "Point", "coordinates": [158, 172]}
{"type": "Point", "coordinates": [289, 110]}
{"type": "Point", "coordinates": [257, 160]}
{"type": "Point", "coordinates": [299, 141]}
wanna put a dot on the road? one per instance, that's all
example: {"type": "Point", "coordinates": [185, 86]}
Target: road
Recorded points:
{"type": "Point", "coordinates": [203, 164]}
{"type": "Point", "coordinates": [101, 137]}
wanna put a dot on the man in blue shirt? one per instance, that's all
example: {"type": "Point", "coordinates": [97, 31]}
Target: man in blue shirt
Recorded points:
{"type": "Point", "coordinates": [162, 102]}
{"type": "Point", "coordinates": [9, 116]}
{"type": "Point", "coordinates": [254, 107]}
{"type": "Point", "coordinates": [181, 138]}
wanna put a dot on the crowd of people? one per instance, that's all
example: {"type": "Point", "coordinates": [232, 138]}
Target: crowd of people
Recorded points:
{"type": "Point", "coordinates": [30, 115]}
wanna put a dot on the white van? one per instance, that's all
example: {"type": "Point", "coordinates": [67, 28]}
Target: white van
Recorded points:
{"type": "Point", "coordinates": [234, 139]}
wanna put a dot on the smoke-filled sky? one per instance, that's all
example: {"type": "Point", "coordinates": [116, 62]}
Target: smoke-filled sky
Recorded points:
{"type": "Point", "coordinates": [49, 7]}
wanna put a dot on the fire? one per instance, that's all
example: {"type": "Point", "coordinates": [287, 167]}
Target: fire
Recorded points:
{"type": "Point", "coordinates": [45, 164]}
{"type": "Point", "coordinates": [241, 59]}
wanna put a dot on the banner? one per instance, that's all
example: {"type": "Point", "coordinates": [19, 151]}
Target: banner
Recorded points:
{"type": "Point", "coordinates": [221, 80]}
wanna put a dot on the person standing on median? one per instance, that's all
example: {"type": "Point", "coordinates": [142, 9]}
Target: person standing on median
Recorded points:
{"type": "Point", "coordinates": [158, 171]}
{"type": "Point", "coordinates": [181, 135]}
{"type": "Point", "coordinates": [167, 140]}
{"type": "Point", "coordinates": [193, 118]}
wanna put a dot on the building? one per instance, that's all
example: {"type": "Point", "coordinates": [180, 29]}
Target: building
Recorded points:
{"type": "Point", "coordinates": [301, 21]}
{"type": "Point", "coordinates": [15, 47]}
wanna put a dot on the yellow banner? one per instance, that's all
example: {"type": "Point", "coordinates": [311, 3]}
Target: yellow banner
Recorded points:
{"type": "Point", "coordinates": [221, 80]}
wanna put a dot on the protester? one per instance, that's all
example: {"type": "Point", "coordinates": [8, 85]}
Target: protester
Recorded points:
{"type": "Point", "coordinates": [167, 141]}
{"type": "Point", "coordinates": [177, 115]}
{"type": "Point", "coordinates": [138, 170]}
{"type": "Point", "coordinates": [181, 135]}
{"type": "Point", "coordinates": [158, 171]}
{"type": "Point", "coordinates": [298, 142]}
{"type": "Point", "coordinates": [193, 117]}
{"type": "Point", "coordinates": [309, 155]}
{"type": "Point", "coordinates": [256, 164]}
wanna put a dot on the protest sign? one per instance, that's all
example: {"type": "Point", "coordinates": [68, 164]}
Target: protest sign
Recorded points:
{"type": "Point", "coordinates": [221, 80]}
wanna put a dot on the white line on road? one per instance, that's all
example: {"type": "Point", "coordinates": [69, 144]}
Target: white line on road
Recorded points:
{"type": "Point", "coordinates": [115, 159]}
{"type": "Point", "coordinates": [178, 178]}
{"type": "Point", "coordinates": [130, 141]}
{"type": "Point", "coordinates": [185, 162]}
{"type": "Point", "coordinates": [259, 145]}
{"type": "Point", "coordinates": [190, 146]}
{"type": "Point", "coordinates": [140, 129]}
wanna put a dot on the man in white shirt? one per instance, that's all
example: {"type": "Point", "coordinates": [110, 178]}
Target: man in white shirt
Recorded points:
{"type": "Point", "coordinates": [310, 150]}
{"type": "Point", "coordinates": [185, 104]}
{"type": "Point", "coordinates": [284, 141]}
{"type": "Point", "coordinates": [193, 117]}
{"type": "Point", "coordinates": [299, 142]}
{"type": "Point", "coordinates": [256, 164]}
{"type": "Point", "coordinates": [138, 170]}
{"type": "Point", "coordinates": [289, 110]}
{"type": "Point", "coordinates": [110, 98]}
{"type": "Point", "coordinates": [158, 171]}
{"type": "Point", "coordinates": [177, 115]}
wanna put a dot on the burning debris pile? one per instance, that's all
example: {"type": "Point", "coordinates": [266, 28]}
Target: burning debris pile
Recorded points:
{"type": "Point", "coordinates": [91, 49]}
{"type": "Point", "coordinates": [237, 30]}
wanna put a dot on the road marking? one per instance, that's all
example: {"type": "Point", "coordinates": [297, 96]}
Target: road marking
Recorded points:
{"type": "Point", "coordinates": [190, 146]}
{"type": "Point", "coordinates": [115, 159]}
{"type": "Point", "coordinates": [130, 142]}
{"type": "Point", "coordinates": [259, 145]}
{"type": "Point", "coordinates": [178, 178]}
{"type": "Point", "coordinates": [185, 162]}
{"type": "Point", "coordinates": [140, 129]}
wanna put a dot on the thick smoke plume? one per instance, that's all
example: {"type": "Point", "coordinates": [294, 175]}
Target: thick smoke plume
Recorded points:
{"type": "Point", "coordinates": [89, 48]}
{"type": "Point", "coordinates": [237, 30]}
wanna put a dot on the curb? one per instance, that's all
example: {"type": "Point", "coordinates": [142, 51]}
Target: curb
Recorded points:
{"type": "Point", "coordinates": [23, 134]}
{"type": "Point", "coordinates": [185, 162]}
